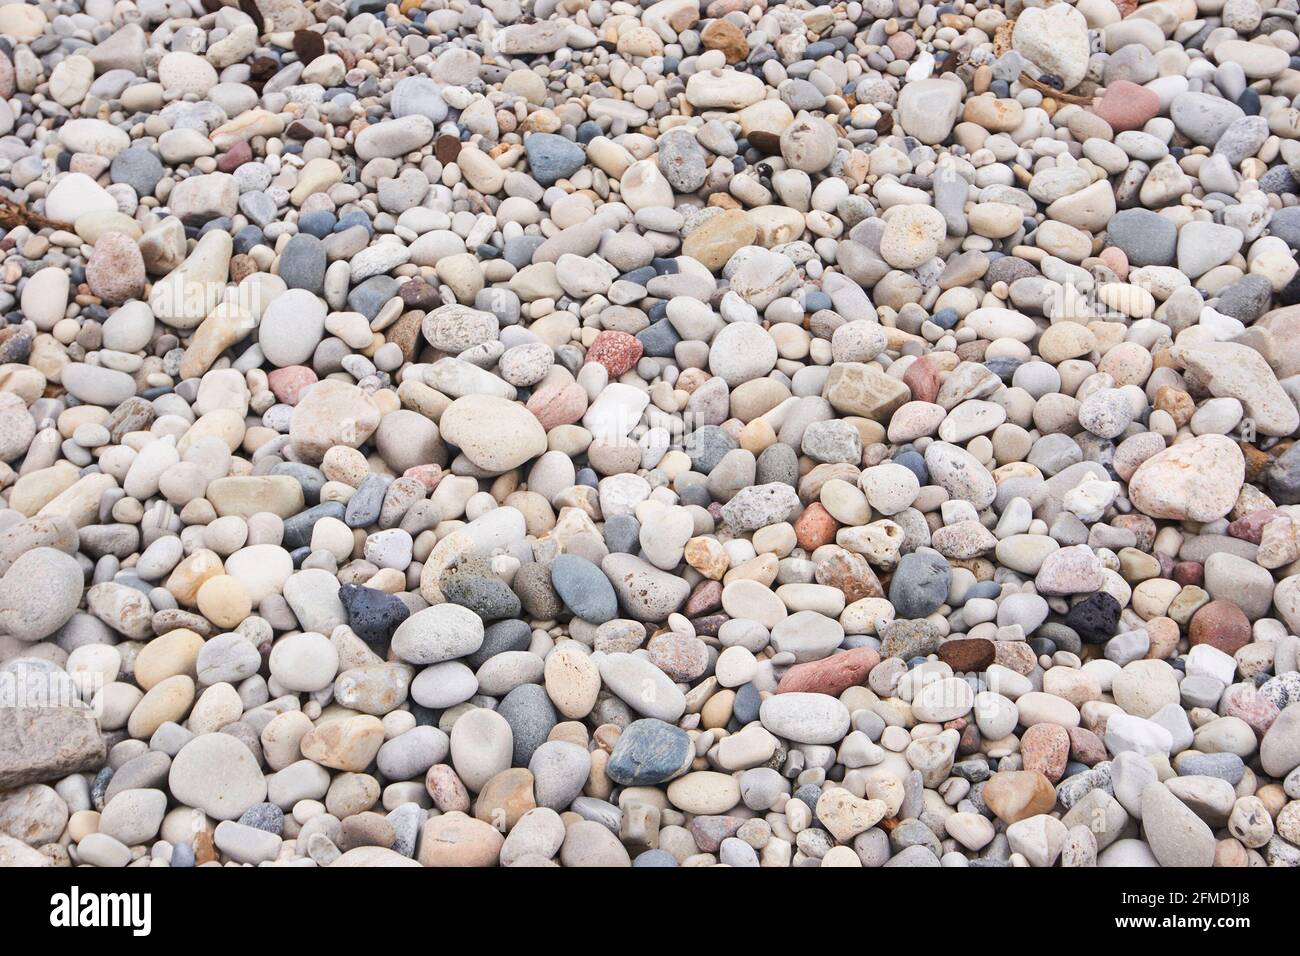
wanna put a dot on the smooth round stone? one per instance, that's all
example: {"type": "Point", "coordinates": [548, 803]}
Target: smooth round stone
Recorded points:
{"type": "Point", "coordinates": [808, 635]}
{"type": "Point", "coordinates": [920, 584]}
{"type": "Point", "coordinates": [805, 718]}
{"type": "Point", "coordinates": [493, 433]}
{"type": "Point", "coordinates": [444, 684]}
{"type": "Point", "coordinates": [217, 774]}
{"type": "Point", "coordinates": [481, 746]}
{"type": "Point", "coordinates": [439, 633]}
{"type": "Point", "coordinates": [560, 771]}
{"type": "Point", "coordinates": [649, 752]}
{"type": "Point", "coordinates": [304, 662]}
{"type": "Point", "coordinates": [39, 593]}
{"type": "Point", "coordinates": [531, 715]}
{"type": "Point", "coordinates": [584, 588]}
{"type": "Point", "coordinates": [943, 700]}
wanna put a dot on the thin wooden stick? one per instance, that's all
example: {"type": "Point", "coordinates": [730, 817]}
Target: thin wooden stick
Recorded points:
{"type": "Point", "coordinates": [14, 214]}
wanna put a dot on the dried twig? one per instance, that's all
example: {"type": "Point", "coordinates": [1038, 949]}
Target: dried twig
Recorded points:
{"type": "Point", "coordinates": [14, 214]}
{"type": "Point", "coordinates": [1059, 95]}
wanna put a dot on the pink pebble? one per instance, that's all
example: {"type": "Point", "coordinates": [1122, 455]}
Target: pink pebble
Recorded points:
{"type": "Point", "coordinates": [287, 383]}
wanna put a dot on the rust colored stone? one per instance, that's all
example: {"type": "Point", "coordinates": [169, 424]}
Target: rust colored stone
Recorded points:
{"type": "Point", "coordinates": [615, 350]}
{"type": "Point", "coordinates": [1220, 624]}
{"type": "Point", "coordinates": [922, 377]}
{"type": "Point", "coordinates": [815, 527]}
{"type": "Point", "coordinates": [967, 653]}
{"type": "Point", "coordinates": [830, 675]}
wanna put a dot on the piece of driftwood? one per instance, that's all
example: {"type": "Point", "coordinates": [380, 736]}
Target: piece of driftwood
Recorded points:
{"type": "Point", "coordinates": [14, 214]}
{"type": "Point", "coordinates": [1059, 95]}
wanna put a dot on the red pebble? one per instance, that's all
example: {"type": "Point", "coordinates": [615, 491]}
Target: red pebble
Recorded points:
{"type": "Point", "coordinates": [1251, 527]}
{"type": "Point", "coordinates": [815, 527]}
{"type": "Point", "coordinates": [922, 377]}
{"type": "Point", "coordinates": [830, 675]}
{"type": "Point", "coordinates": [1221, 624]}
{"type": "Point", "coordinates": [1188, 572]}
{"type": "Point", "coordinates": [554, 405]}
{"type": "Point", "coordinates": [1115, 258]}
{"type": "Point", "coordinates": [1248, 704]}
{"type": "Point", "coordinates": [1127, 106]}
{"type": "Point", "coordinates": [287, 383]}
{"type": "Point", "coordinates": [427, 475]}
{"type": "Point", "coordinates": [615, 350]}
{"type": "Point", "coordinates": [234, 157]}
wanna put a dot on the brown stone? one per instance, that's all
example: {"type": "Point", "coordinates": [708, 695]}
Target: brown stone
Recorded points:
{"type": "Point", "coordinates": [235, 157]}
{"type": "Point", "coordinates": [1251, 527]}
{"type": "Point", "coordinates": [1085, 746]}
{"type": "Point", "coordinates": [681, 656]}
{"type": "Point", "coordinates": [205, 851]}
{"type": "Point", "coordinates": [46, 743]}
{"type": "Point", "coordinates": [967, 653]}
{"type": "Point", "coordinates": [1176, 402]}
{"type": "Point", "coordinates": [1045, 748]}
{"type": "Point", "coordinates": [1220, 624]}
{"type": "Point", "coordinates": [1163, 633]}
{"type": "Point", "coordinates": [505, 798]}
{"type": "Point", "coordinates": [710, 830]}
{"type": "Point", "coordinates": [725, 36]}
{"type": "Point", "coordinates": [366, 829]}
{"type": "Point", "coordinates": [830, 675]}
{"type": "Point", "coordinates": [706, 597]}
{"type": "Point", "coordinates": [715, 240]}
{"type": "Point", "coordinates": [851, 573]}
{"type": "Point", "coordinates": [419, 294]}
{"type": "Point", "coordinates": [307, 45]}
{"type": "Point", "coordinates": [445, 788]}
{"type": "Point", "coordinates": [1015, 795]}
{"type": "Point", "coordinates": [1188, 572]}
{"type": "Point", "coordinates": [855, 388]}
{"type": "Point", "coordinates": [405, 332]}
{"type": "Point", "coordinates": [446, 148]}
{"type": "Point", "coordinates": [454, 839]}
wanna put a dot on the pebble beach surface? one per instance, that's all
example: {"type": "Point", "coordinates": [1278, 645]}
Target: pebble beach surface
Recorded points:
{"type": "Point", "coordinates": [675, 433]}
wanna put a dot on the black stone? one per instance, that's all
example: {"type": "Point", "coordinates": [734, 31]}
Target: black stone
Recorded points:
{"type": "Point", "coordinates": [1095, 618]}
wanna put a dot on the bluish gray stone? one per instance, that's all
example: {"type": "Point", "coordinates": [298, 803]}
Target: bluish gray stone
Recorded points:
{"type": "Point", "coordinates": [622, 534]}
{"type": "Point", "coordinates": [706, 446]}
{"type": "Point", "coordinates": [303, 263]}
{"type": "Point", "coordinates": [138, 168]}
{"type": "Point", "coordinates": [650, 751]}
{"type": "Point", "coordinates": [1146, 237]}
{"type": "Point", "coordinates": [1246, 299]}
{"type": "Point", "coordinates": [1224, 766]}
{"type": "Point", "coordinates": [499, 637]}
{"type": "Point", "coordinates": [487, 596]}
{"type": "Point", "coordinates": [777, 463]}
{"type": "Point", "coordinates": [372, 614]}
{"type": "Point", "coordinates": [682, 160]}
{"type": "Point", "coordinates": [920, 584]}
{"type": "Point", "coordinates": [655, 858]}
{"type": "Point", "coordinates": [531, 716]}
{"type": "Point", "coordinates": [552, 158]}
{"type": "Point", "coordinates": [584, 588]}
{"type": "Point", "coordinates": [264, 816]}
